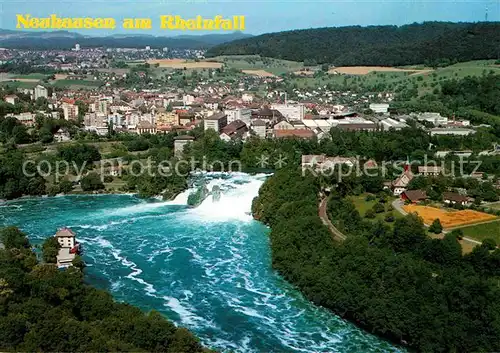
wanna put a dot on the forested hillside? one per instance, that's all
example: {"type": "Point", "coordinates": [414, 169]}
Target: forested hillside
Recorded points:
{"type": "Point", "coordinates": [429, 42]}
{"type": "Point", "coordinates": [394, 281]}
{"type": "Point", "coordinates": [65, 40]}
{"type": "Point", "coordinates": [43, 309]}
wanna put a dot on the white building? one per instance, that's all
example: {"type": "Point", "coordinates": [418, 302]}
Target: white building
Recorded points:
{"type": "Point", "coordinates": [180, 142]}
{"type": "Point", "coordinates": [247, 98]}
{"type": "Point", "coordinates": [259, 127]}
{"type": "Point", "coordinates": [291, 112]}
{"type": "Point", "coordinates": [40, 91]}
{"type": "Point", "coordinates": [388, 123]}
{"type": "Point", "coordinates": [116, 119]}
{"type": "Point", "coordinates": [216, 122]}
{"type": "Point", "coordinates": [66, 239]}
{"type": "Point", "coordinates": [452, 131]}
{"type": "Point", "coordinates": [188, 99]}
{"type": "Point", "coordinates": [70, 111]}
{"type": "Point", "coordinates": [379, 107]}
{"type": "Point", "coordinates": [242, 114]}
{"type": "Point", "coordinates": [95, 120]}
{"type": "Point", "coordinates": [62, 135]}
{"type": "Point", "coordinates": [434, 118]}
{"type": "Point", "coordinates": [102, 106]}
{"type": "Point", "coordinates": [11, 99]}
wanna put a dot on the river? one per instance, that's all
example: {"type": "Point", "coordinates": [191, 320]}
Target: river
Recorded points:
{"type": "Point", "coordinates": [208, 268]}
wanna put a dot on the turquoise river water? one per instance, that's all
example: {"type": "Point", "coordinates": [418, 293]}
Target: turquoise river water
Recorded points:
{"type": "Point", "coordinates": [208, 268]}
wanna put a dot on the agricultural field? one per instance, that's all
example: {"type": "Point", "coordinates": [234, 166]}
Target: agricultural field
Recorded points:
{"type": "Point", "coordinates": [364, 70]}
{"type": "Point", "coordinates": [260, 73]}
{"type": "Point", "coordinates": [482, 231]}
{"type": "Point", "coordinates": [75, 84]}
{"type": "Point", "coordinates": [425, 81]}
{"type": "Point", "coordinates": [255, 62]}
{"type": "Point", "coordinates": [494, 205]}
{"type": "Point", "coordinates": [164, 72]}
{"type": "Point", "coordinates": [181, 64]}
{"type": "Point", "coordinates": [19, 84]}
{"type": "Point", "coordinates": [449, 218]}
{"type": "Point", "coordinates": [31, 77]}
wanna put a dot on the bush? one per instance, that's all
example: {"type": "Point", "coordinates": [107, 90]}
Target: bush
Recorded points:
{"type": "Point", "coordinates": [457, 233]}
{"type": "Point", "coordinates": [53, 190]}
{"type": "Point", "coordinates": [378, 208]}
{"type": "Point", "coordinates": [489, 244]}
{"type": "Point", "coordinates": [50, 249]}
{"type": "Point", "coordinates": [389, 217]}
{"type": "Point", "coordinates": [78, 262]}
{"type": "Point", "coordinates": [79, 154]}
{"type": "Point", "coordinates": [138, 145]}
{"type": "Point", "coordinates": [91, 182]}
{"type": "Point", "coordinates": [12, 237]}
{"type": "Point", "coordinates": [108, 178]}
{"type": "Point", "coordinates": [370, 214]}
{"type": "Point", "coordinates": [65, 186]}
{"type": "Point", "coordinates": [436, 226]}
{"type": "Point", "coordinates": [370, 198]}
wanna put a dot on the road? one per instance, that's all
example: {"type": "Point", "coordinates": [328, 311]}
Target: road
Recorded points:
{"type": "Point", "coordinates": [337, 235]}
{"type": "Point", "coordinates": [398, 205]}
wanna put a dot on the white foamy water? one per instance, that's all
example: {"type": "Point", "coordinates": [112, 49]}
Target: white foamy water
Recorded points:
{"type": "Point", "coordinates": [235, 202]}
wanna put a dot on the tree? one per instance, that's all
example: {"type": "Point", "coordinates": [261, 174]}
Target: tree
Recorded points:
{"type": "Point", "coordinates": [50, 249]}
{"type": "Point", "coordinates": [436, 227]}
{"type": "Point", "coordinates": [91, 182]}
{"type": "Point", "coordinates": [408, 234]}
{"type": "Point", "coordinates": [378, 208]}
{"type": "Point", "coordinates": [78, 262]}
{"type": "Point", "coordinates": [12, 237]}
{"type": "Point", "coordinates": [489, 244]}
{"type": "Point", "coordinates": [457, 233]}
{"type": "Point", "coordinates": [389, 217]}
{"type": "Point", "coordinates": [79, 153]}
{"type": "Point", "coordinates": [370, 214]}
{"type": "Point", "coordinates": [65, 186]}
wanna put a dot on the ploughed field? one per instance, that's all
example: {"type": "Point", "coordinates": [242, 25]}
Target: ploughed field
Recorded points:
{"type": "Point", "coordinates": [448, 218]}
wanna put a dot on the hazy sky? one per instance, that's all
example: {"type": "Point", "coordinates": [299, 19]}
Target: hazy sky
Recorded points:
{"type": "Point", "coordinates": [261, 15]}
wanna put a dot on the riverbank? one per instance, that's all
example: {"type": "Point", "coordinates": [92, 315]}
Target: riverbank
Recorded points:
{"type": "Point", "coordinates": [58, 297]}
{"type": "Point", "coordinates": [395, 282]}
{"type": "Point", "coordinates": [279, 209]}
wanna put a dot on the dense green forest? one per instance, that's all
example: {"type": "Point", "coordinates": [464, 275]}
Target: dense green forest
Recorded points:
{"type": "Point", "coordinates": [393, 281]}
{"type": "Point", "coordinates": [43, 309]}
{"type": "Point", "coordinates": [429, 42]}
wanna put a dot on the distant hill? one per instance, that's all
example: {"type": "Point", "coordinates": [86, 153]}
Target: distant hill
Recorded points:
{"type": "Point", "coordinates": [429, 42]}
{"type": "Point", "coordinates": [65, 40]}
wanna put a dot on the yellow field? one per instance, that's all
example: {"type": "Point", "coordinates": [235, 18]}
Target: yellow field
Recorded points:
{"type": "Point", "coordinates": [449, 219]}
{"type": "Point", "coordinates": [364, 70]}
{"type": "Point", "coordinates": [181, 63]}
{"type": "Point", "coordinates": [260, 73]}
